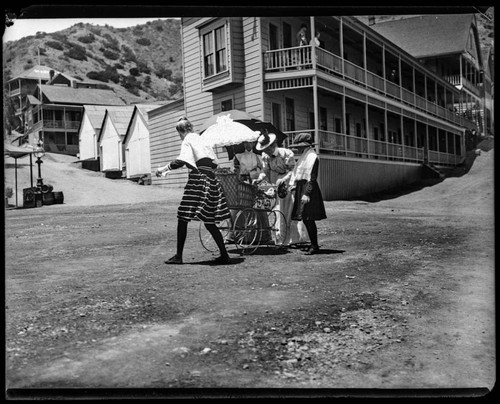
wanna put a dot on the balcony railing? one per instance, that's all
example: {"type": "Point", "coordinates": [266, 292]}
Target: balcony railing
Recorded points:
{"type": "Point", "coordinates": [441, 158]}
{"type": "Point", "coordinates": [341, 144]}
{"type": "Point", "coordinates": [57, 124]}
{"type": "Point", "coordinates": [298, 58]}
{"type": "Point", "coordinates": [288, 58]}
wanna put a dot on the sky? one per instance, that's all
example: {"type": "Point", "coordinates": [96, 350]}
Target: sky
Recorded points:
{"type": "Point", "coordinates": [27, 27]}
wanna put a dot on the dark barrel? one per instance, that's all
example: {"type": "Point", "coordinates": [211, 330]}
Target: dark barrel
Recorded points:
{"type": "Point", "coordinates": [48, 198]}
{"type": "Point", "coordinates": [58, 197]}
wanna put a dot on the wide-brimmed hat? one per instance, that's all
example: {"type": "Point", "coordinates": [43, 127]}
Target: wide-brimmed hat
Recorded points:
{"type": "Point", "coordinates": [265, 140]}
{"type": "Point", "coordinates": [303, 139]}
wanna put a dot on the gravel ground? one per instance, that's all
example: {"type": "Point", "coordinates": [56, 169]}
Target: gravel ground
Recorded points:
{"type": "Point", "coordinates": [401, 297]}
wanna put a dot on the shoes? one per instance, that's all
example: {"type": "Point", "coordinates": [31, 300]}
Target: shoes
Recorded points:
{"type": "Point", "coordinates": [312, 251]}
{"type": "Point", "coordinates": [174, 260]}
{"type": "Point", "coordinates": [222, 260]}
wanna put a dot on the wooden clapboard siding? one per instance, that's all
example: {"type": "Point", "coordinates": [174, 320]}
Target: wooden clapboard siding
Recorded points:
{"type": "Point", "coordinates": [253, 90]}
{"type": "Point", "coordinates": [343, 178]}
{"type": "Point", "coordinates": [198, 104]}
{"type": "Point", "coordinates": [245, 59]}
{"type": "Point", "coordinates": [165, 142]}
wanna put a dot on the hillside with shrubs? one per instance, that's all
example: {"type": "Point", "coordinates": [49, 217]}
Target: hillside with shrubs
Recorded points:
{"type": "Point", "coordinates": [141, 63]}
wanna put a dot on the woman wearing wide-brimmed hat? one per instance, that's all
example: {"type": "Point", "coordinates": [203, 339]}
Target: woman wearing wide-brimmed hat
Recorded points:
{"type": "Point", "coordinates": [308, 201]}
{"type": "Point", "coordinates": [203, 197]}
{"type": "Point", "coordinates": [278, 165]}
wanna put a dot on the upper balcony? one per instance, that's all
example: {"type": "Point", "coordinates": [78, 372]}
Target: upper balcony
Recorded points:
{"type": "Point", "coordinates": [49, 124]}
{"type": "Point", "coordinates": [15, 92]}
{"type": "Point", "coordinates": [460, 81]}
{"type": "Point", "coordinates": [294, 67]}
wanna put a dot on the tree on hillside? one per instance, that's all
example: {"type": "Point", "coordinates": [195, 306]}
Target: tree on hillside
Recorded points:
{"type": "Point", "coordinates": [10, 122]}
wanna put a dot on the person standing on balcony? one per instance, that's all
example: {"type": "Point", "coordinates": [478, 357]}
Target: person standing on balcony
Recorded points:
{"type": "Point", "coordinates": [203, 198]}
{"type": "Point", "coordinates": [316, 41]}
{"type": "Point", "coordinates": [308, 201]}
{"type": "Point", "coordinates": [301, 35]}
{"type": "Point", "coordinates": [301, 41]}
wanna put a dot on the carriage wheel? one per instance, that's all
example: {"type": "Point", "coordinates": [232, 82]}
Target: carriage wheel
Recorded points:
{"type": "Point", "coordinates": [206, 238]}
{"type": "Point", "coordinates": [246, 231]}
{"type": "Point", "coordinates": [278, 226]}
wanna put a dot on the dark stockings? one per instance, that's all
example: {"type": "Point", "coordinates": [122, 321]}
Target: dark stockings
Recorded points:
{"type": "Point", "coordinates": [219, 240]}
{"type": "Point", "coordinates": [182, 227]}
{"type": "Point", "coordinates": [312, 230]}
{"type": "Point", "coordinates": [212, 228]}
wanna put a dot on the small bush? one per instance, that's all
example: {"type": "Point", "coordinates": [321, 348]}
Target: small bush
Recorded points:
{"type": "Point", "coordinates": [134, 71]}
{"type": "Point", "coordinates": [112, 74]}
{"type": "Point", "coordinates": [128, 55]}
{"type": "Point", "coordinates": [76, 53]}
{"type": "Point", "coordinates": [143, 41]}
{"type": "Point", "coordinates": [131, 84]}
{"type": "Point", "coordinates": [110, 54]}
{"type": "Point", "coordinates": [164, 73]}
{"type": "Point", "coordinates": [143, 67]}
{"type": "Point", "coordinates": [111, 43]}
{"type": "Point", "coordinates": [87, 38]}
{"type": "Point", "coordinates": [99, 76]}
{"type": "Point", "coordinates": [55, 45]}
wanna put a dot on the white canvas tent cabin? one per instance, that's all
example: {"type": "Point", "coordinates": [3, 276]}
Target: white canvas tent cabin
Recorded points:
{"type": "Point", "coordinates": [110, 139]}
{"type": "Point", "coordinates": [136, 142]}
{"type": "Point", "coordinates": [93, 116]}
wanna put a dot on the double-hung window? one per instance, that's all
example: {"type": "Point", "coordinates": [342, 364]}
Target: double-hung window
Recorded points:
{"type": "Point", "coordinates": [215, 52]}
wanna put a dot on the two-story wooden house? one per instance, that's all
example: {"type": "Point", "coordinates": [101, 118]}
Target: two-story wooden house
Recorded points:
{"type": "Point", "coordinates": [448, 45]}
{"type": "Point", "coordinates": [377, 114]}
{"type": "Point", "coordinates": [54, 114]}
{"type": "Point", "coordinates": [19, 87]}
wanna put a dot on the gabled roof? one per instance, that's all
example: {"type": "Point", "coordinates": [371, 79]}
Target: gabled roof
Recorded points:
{"type": "Point", "coordinates": [80, 96]}
{"type": "Point", "coordinates": [428, 35]}
{"type": "Point", "coordinates": [57, 76]}
{"type": "Point", "coordinates": [141, 110]}
{"type": "Point", "coordinates": [119, 118]}
{"type": "Point", "coordinates": [33, 100]}
{"type": "Point", "coordinates": [35, 73]}
{"type": "Point", "coordinates": [96, 114]}
{"type": "Point", "coordinates": [144, 108]}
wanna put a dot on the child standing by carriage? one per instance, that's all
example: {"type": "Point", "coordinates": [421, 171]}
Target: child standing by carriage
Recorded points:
{"type": "Point", "coordinates": [308, 203]}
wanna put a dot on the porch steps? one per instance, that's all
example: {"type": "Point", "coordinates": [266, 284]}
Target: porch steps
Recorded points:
{"type": "Point", "coordinates": [430, 171]}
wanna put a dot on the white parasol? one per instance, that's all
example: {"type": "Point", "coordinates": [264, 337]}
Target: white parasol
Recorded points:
{"type": "Point", "coordinates": [227, 132]}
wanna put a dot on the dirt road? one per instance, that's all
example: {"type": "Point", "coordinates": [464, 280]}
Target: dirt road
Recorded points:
{"type": "Point", "coordinates": [402, 297]}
